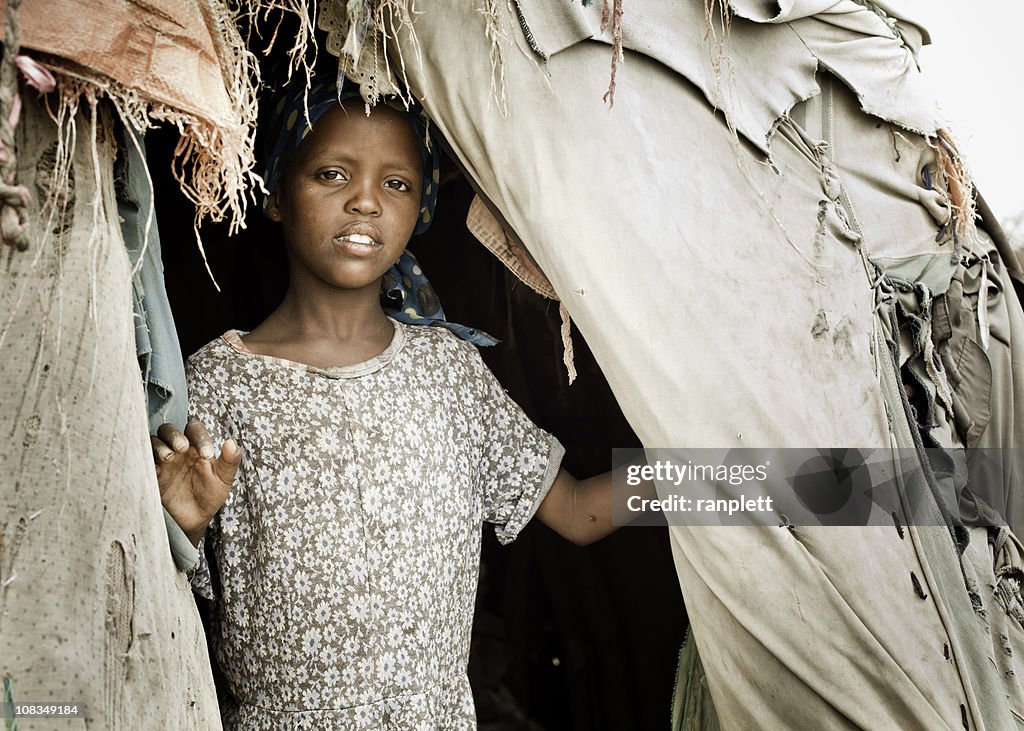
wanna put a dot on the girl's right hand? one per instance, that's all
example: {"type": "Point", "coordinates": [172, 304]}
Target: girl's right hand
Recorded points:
{"type": "Point", "coordinates": [194, 480]}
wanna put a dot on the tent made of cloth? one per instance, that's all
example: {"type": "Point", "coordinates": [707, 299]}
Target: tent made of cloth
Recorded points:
{"type": "Point", "coordinates": [747, 216]}
{"type": "Point", "coordinates": [735, 298]}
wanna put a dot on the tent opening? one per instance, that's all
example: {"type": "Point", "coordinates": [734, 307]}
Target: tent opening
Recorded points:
{"type": "Point", "coordinates": [564, 637]}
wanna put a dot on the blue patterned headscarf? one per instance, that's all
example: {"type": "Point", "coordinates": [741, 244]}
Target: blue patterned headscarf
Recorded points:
{"type": "Point", "coordinates": [406, 295]}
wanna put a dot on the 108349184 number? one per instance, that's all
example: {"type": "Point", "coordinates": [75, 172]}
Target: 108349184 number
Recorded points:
{"type": "Point", "coordinates": [42, 710]}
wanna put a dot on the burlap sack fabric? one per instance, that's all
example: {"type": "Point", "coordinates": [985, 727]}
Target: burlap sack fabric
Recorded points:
{"type": "Point", "coordinates": [162, 49]}
{"type": "Point", "coordinates": [181, 62]}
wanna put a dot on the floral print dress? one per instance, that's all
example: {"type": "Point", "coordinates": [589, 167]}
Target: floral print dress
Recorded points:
{"type": "Point", "coordinates": [343, 566]}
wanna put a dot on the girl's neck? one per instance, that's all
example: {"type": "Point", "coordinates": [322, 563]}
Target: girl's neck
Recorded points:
{"type": "Point", "coordinates": [318, 313]}
{"type": "Point", "coordinates": [328, 330]}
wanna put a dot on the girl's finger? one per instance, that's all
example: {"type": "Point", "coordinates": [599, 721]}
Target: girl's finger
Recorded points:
{"type": "Point", "coordinates": [161, 452]}
{"type": "Point", "coordinates": [227, 464]}
{"type": "Point", "coordinates": [172, 437]}
{"type": "Point", "coordinates": [200, 438]}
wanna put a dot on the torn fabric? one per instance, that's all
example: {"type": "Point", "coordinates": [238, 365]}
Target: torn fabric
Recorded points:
{"type": "Point", "coordinates": [734, 303]}
{"type": "Point", "coordinates": [759, 62]}
{"type": "Point", "coordinates": [182, 62]}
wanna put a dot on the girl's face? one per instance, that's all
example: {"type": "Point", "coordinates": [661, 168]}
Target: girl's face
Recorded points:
{"type": "Point", "coordinates": [350, 198]}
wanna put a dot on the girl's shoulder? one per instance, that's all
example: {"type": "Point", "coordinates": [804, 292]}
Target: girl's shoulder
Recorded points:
{"type": "Point", "coordinates": [435, 349]}
{"type": "Point", "coordinates": [219, 353]}
{"type": "Point", "coordinates": [439, 342]}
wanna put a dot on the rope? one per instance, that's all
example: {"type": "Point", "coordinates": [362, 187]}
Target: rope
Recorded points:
{"type": "Point", "coordinates": [567, 352]}
{"type": "Point", "coordinates": [613, 14]}
{"type": "Point", "coordinates": [13, 197]}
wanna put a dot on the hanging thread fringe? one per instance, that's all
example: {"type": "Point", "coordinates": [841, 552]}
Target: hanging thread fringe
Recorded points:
{"type": "Point", "coordinates": [957, 180]}
{"type": "Point", "coordinates": [256, 12]}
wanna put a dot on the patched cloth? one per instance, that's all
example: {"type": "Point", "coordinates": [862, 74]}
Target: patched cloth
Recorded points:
{"type": "Point", "coordinates": [346, 558]}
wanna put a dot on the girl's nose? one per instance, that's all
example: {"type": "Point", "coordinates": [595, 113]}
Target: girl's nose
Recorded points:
{"type": "Point", "coordinates": [364, 198]}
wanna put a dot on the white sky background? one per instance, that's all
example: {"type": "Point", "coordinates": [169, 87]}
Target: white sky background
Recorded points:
{"type": "Point", "coordinates": [976, 65]}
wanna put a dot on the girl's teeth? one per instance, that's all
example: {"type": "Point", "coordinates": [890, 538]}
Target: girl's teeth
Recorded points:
{"type": "Point", "coordinates": [360, 239]}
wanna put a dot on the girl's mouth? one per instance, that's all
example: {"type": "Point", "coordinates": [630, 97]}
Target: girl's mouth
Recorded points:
{"type": "Point", "coordinates": [358, 244]}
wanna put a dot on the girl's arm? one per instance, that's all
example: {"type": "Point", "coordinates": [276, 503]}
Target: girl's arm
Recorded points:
{"type": "Point", "coordinates": [581, 510]}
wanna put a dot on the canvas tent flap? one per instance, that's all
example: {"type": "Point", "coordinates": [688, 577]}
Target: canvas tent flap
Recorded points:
{"type": "Point", "coordinates": [785, 11]}
{"type": "Point", "coordinates": [725, 300]}
{"type": "Point", "coordinates": [767, 11]}
{"type": "Point", "coordinates": [727, 60]}
{"type": "Point", "coordinates": [875, 58]}
{"type": "Point", "coordinates": [675, 34]}
{"type": "Point", "coordinates": [92, 609]}
{"type": "Point", "coordinates": [892, 192]}
{"type": "Point", "coordinates": [714, 247]}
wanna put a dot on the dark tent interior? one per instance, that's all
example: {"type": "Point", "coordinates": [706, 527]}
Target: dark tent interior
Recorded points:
{"type": "Point", "coordinates": [564, 637]}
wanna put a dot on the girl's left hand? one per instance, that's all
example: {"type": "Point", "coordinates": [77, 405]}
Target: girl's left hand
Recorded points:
{"type": "Point", "coordinates": [194, 480]}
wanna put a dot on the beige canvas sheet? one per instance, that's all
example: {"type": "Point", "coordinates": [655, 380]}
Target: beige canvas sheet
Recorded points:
{"type": "Point", "coordinates": [697, 271]}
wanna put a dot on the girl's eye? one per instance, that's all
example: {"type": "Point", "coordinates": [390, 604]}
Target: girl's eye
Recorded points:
{"type": "Point", "coordinates": [332, 175]}
{"type": "Point", "coordinates": [395, 184]}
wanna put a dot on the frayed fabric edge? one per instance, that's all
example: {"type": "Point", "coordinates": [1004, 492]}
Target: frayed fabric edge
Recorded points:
{"type": "Point", "coordinates": [214, 161]}
{"type": "Point", "coordinates": [362, 34]}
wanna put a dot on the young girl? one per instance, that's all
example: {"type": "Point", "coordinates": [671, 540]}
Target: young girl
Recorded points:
{"type": "Point", "coordinates": [358, 455]}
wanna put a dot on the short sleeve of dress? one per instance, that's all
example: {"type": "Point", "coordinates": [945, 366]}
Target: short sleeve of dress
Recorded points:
{"type": "Point", "coordinates": [518, 460]}
{"type": "Point", "coordinates": [206, 407]}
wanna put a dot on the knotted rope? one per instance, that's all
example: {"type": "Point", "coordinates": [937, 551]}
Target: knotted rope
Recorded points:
{"type": "Point", "coordinates": [13, 197]}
